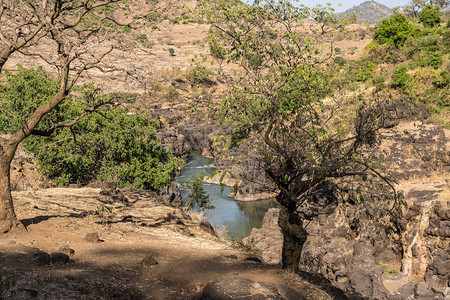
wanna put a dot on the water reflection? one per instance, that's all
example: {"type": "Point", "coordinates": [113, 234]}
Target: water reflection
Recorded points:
{"type": "Point", "coordinates": [238, 218]}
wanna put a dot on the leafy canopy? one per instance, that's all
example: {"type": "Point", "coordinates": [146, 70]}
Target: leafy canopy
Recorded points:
{"type": "Point", "coordinates": [108, 143]}
{"type": "Point", "coordinates": [394, 31]}
{"type": "Point", "coordinates": [430, 16]}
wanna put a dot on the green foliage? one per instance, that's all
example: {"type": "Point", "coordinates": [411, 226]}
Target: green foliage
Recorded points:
{"type": "Point", "coordinates": [386, 270]}
{"type": "Point", "coordinates": [400, 77]}
{"type": "Point", "coordinates": [340, 61]}
{"type": "Point", "coordinates": [430, 16]}
{"type": "Point", "coordinates": [108, 143]}
{"type": "Point", "coordinates": [365, 70]}
{"type": "Point", "coordinates": [23, 93]}
{"type": "Point", "coordinates": [197, 198]}
{"type": "Point", "coordinates": [394, 31]}
{"type": "Point", "coordinates": [171, 51]}
{"type": "Point", "coordinates": [172, 94]}
{"type": "Point", "coordinates": [198, 75]}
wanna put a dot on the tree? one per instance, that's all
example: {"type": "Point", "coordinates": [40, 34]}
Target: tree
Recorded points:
{"type": "Point", "coordinates": [413, 8]}
{"type": "Point", "coordinates": [393, 31]}
{"type": "Point", "coordinates": [71, 30]}
{"type": "Point", "coordinates": [430, 16]}
{"type": "Point", "coordinates": [306, 147]}
{"type": "Point", "coordinates": [197, 195]}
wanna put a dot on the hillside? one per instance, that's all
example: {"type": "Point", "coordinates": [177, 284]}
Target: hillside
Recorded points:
{"type": "Point", "coordinates": [370, 12]}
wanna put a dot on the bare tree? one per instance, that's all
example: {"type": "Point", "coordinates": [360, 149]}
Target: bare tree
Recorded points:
{"type": "Point", "coordinates": [75, 33]}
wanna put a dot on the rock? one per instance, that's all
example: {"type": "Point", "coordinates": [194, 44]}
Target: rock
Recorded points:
{"type": "Point", "coordinates": [268, 239]}
{"type": "Point", "coordinates": [423, 291]}
{"type": "Point", "coordinates": [59, 258]}
{"type": "Point", "coordinates": [28, 293]}
{"type": "Point", "coordinates": [253, 260]}
{"type": "Point", "coordinates": [92, 237]}
{"type": "Point", "coordinates": [407, 290]}
{"type": "Point", "coordinates": [67, 250]}
{"type": "Point", "coordinates": [148, 261]}
{"type": "Point", "coordinates": [42, 258]}
{"type": "Point", "coordinates": [113, 196]}
{"type": "Point", "coordinates": [171, 194]}
{"type": "Point", "coordinates": [207, 227]}
{"type": "Point", "coordinates": [245, 289]}
{"type": "Point", "coordinates": [444, 294]}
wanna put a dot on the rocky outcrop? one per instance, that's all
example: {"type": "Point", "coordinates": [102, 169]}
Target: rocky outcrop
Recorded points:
{"type": "Point", "coordinates": [243, 288]}
{"type": "Point", "coordinates": [268, 239]}
{"type": "Point", "coordinates": [360, 261]}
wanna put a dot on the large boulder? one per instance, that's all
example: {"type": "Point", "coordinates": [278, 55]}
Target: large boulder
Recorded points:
{"type": "Point", "coordinates": [246, 289]}
{"type": "Point", "coordinates": [268, 239]}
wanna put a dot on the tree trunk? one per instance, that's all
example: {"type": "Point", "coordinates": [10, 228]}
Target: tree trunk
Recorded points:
{"type": "Point", "coordinates": [294, 236]}
{"type": "Point", "coordinates": [8, 218]}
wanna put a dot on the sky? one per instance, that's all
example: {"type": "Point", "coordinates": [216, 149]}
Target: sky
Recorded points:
{"type": "Point", "coordinates": [346, 4]}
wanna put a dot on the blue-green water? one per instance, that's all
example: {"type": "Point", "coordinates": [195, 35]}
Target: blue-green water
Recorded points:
{"type": "Point", "coordinates": [238, 218]}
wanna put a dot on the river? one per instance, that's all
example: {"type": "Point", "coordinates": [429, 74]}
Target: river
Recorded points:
{"type": "Point", "coordinates": [236, 218]}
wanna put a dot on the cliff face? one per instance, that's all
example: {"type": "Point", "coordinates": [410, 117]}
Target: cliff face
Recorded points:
{"type": "Point", "coordinates": [360, 258]}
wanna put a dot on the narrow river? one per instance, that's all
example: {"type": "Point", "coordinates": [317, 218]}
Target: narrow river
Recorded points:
{"type": "Point", "coordinates": [237, 218]}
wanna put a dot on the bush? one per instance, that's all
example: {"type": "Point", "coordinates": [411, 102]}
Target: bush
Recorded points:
{"type": "Point", "coordinates": [198, 75]}
{"type": "Point", "coordinates": [394, 31]}
{"type": "Point", "coordinates": [365, 70]}
{"type": "Point", "coordinates": [106, 144]}
{"type": "Point", "coordinates": [400, 77]}
{"type": "Point", "coordinates": [430, 16]}
{"type": "Point", "coordinates": [340, 61]}
{"type": "Point", "coordinates": [171, 51]}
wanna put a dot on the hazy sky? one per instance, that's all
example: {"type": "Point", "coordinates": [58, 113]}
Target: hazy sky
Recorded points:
{"type": "Point", "coordinates": [346, 4]}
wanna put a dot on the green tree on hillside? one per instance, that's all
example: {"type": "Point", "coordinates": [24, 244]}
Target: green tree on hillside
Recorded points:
{"type": "Point", "coordinates": [393, 31]}
{"type": "Point", "coordinates": [430, 16]}
{"type": "Point", "coordinates": [307, 147]}
{"type": "Point", "coordinates": [74, 32]}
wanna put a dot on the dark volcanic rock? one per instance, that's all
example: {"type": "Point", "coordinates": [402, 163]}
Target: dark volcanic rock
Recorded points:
{"type": "Point", "coordinates": [59, 258]}
{"type": "Point", "coordinates": [42, 258]}
{"type": "Point", "coordinates": [171, 194]}
{"type": "Point", "coordinates": [245, 289]}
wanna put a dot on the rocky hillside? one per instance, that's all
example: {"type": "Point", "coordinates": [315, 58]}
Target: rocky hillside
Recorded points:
{"type": "Point", "coordinates": [370, 12]}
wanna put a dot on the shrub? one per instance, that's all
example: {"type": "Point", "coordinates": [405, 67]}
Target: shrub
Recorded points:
{"type": "Point", "coordinates": [198, 75]}
{"type": "Point", "coordinates": [171, 51]}
{"type": "Point", "coordinates": [172, 94]}
{"type": "Point", "coordinates": [340, 60]}
{"type": "Point", "coordinates": [394, 31]}
{"type": "Point", "coordinates": [430, 16]}
{"type": "Point", "coordinates": [365, 70]}
{"type": "Point", "coordinates": [197, 198]}
{"type": "Point", "coordinates": [106, 144]}
{"type": "Point", "coordinates": [400, 77]}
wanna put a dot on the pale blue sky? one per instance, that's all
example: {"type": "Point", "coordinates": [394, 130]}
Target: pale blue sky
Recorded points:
{"type": "Point", "coordinates": [346, 4]}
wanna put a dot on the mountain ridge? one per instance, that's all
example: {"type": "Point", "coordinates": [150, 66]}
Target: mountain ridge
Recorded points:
{"type": "Point", "coordinates": [370, 12]}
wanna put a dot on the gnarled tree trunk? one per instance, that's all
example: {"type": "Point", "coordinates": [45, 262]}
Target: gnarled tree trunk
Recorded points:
{"type": "Point", "coordinates": [294, 236]}
{"type": "Point", "coordinates": [8, 218]}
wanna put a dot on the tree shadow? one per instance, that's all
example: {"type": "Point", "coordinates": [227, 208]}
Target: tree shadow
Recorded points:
{"type": "Point", "coordinates": [39, 219]}
{"type": "Point", "coordinates": [325, 285]}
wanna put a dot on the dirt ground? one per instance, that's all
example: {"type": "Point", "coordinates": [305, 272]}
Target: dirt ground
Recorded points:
{"type": "Point", "coordinates": [58, 220]}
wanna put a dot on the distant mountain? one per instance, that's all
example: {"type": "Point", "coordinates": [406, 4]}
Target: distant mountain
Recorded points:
{"type": "Point", "coordinates": [370, 12]}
